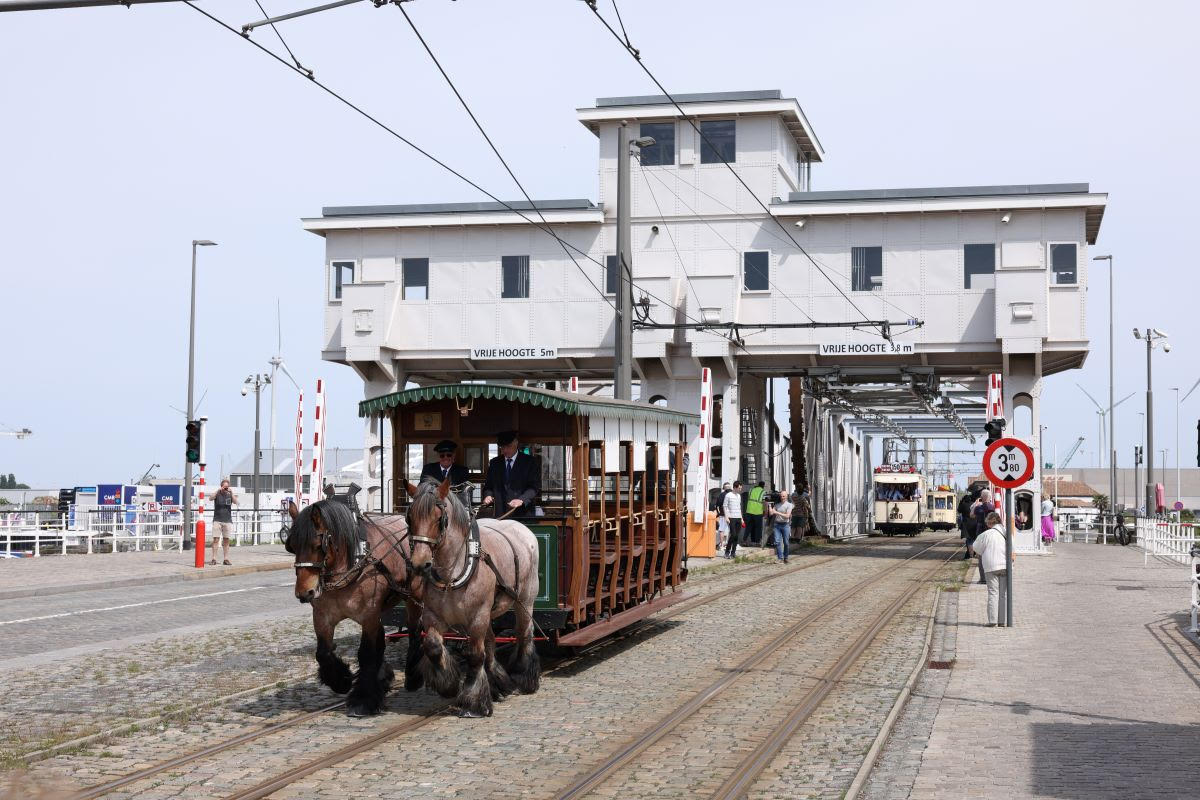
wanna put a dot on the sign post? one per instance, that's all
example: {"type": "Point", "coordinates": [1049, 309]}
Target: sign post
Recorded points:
{"type": "Point", "coordinates": [1008, 463]}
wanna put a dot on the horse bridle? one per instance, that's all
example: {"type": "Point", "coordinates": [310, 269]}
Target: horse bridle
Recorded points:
{"type": "Point", "coordinates": [326, 572]}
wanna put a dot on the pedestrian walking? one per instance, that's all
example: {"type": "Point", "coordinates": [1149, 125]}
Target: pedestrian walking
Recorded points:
{"type": "Point", "coordinates": [223, 503]}
{"type": "Point", "coordinates": [966, 523]}
{"type": "Point", "coordinates": [753, 516]}
{"type": "Point", "coordinates": [722, 521]}
{"type": "Point", "coordinates": [781, 516]}
{"type": "Point", "coordinates": [990, 547]}
{"type": "Point", "coordinates": [1047, 520]}
{"type": "Point", "coordinates": [979, 511]}
{"type": "Point", "coordinates": [733, 514]}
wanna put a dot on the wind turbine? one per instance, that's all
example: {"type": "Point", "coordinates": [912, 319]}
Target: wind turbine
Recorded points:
{"type": "Point", "coordinates": [277, 365]}
{"type": "Point", "coordinates": [1101, 412]}
{"type": "Point", "coordinates": [1189, 391]}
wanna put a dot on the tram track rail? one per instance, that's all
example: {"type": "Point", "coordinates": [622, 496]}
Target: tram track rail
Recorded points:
{"type": "Point", "coordinates": [753, 765]}
{"type": "Point", "coordinates": [428, 715]}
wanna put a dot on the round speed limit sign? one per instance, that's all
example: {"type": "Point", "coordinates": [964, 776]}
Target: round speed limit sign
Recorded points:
{"type": "Point", "coordinates": [1008, 463]}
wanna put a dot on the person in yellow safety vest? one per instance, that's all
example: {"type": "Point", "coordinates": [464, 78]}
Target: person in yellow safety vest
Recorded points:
{"type": "Point", "coordinates": [754, 514]}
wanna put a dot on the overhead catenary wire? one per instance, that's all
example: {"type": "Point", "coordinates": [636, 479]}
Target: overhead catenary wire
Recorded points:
{"type": "Point", "coordinates": [636, 54]}
{"type": "Point", "coordinates": [769, 232]}
{"type": "Point", "coordinates": [393, 132]}
{"type": "Point", "coordinates": [479, 126]}
{"type": "Point", "coordinates": [300, 66]}
{"type": "Point", "coordinates": [544, 227]}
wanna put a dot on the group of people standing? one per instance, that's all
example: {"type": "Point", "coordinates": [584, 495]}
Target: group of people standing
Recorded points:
{"type": "Point", "coordinates": [749, 514]}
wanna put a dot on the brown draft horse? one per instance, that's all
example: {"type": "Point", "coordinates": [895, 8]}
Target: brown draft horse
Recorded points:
{"type": "Point", "coordinates": [458, 592]}
{"type": "Point", "coordinates": [340, 585]}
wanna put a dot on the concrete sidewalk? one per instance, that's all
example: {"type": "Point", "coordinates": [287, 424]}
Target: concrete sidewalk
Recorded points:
{"type": "Point", "coordinates": [47, 575]}
{"type": "Point", "coordinates": [1095, 693]}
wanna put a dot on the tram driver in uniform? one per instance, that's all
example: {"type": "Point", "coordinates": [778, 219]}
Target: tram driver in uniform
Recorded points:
{"type": "Point", "coordinates": [445, 467]}
{"type": "Point", "coordinates": [513, 480]}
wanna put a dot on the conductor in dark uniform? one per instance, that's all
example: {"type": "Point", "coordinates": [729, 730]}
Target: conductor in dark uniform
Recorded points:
{"type": "Point", "coordinates": [445, 467]}
{"type": "Point", "coordinates": [513, 480]}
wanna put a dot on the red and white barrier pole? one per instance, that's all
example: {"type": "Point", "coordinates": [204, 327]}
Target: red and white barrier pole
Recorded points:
{"type": "Point", "coordinates": [298, 491]}
{"type": "Point", "coordinates": [316, 486]}
{"type": "Point", "coordinates": [200, 522]}
{"type": "Point", "coordinates": [703, 447]}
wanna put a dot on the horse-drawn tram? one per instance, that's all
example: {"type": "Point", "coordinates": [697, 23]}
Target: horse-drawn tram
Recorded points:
{"type": "Point", "coordinates": [609, 510]}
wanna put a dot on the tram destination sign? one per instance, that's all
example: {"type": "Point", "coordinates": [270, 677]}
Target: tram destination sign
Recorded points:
{"type": "Point", "coordinates": [1008, 463]}
{"type": "Point", "coordinates": [504, 353]}
{"type": "Point", "coordinates": [867, 348]}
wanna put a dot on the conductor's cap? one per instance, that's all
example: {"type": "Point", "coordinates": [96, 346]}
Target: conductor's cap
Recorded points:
{"type": "Point", "coordinates": [506, 437]}
{"type": "Point", "coordinates": [445, 446]}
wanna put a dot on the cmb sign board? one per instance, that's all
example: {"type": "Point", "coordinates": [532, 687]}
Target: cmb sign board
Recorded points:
{"type": "Point", "coordinates": [503, 353]}
{"type": "Point", "coordinates": [867, 349]}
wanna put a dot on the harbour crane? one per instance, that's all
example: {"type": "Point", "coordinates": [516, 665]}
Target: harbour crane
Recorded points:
{"type": "Point", "coordinates": [1073, 451]}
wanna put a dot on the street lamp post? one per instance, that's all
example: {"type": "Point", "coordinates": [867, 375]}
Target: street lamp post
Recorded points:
{"type": "Point", "coordinates": [1112, 442]}
{"type": "Point", "coordinates": [187, 465]}
{"type": "Point", "coordinates": [1152, 336]}
{"type": "Point", "coordinates": [1178, 488]}
{"type": "Point", "coordinates": [257, 382]}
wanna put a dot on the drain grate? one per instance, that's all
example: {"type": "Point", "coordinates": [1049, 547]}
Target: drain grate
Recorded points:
{"type": "Point", "coordinates": [1130, 588]}
{"type": "Point", "coordinates": [941, 664]}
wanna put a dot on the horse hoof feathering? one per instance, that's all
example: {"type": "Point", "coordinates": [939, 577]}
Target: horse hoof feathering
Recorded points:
{"type": "Point", "coordinates": [472, 573]}
{"type": "Point", "coordinates": [341, 582]}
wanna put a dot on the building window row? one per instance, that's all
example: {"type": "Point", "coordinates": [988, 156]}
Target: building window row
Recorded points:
{"type": "Point", "coordinates": [718, 142]}
{"type": "Point", "coordinates": [866, 271]}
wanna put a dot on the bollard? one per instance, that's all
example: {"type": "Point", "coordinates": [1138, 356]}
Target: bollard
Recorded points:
{"type": "Point", "coordinates": [200, 522]}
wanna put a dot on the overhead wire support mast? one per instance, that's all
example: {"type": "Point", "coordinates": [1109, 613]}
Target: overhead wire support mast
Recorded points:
{"type": "Point", "coordinates": [637, 56]}
{"type": "Point", "coordinates": [249, 26]}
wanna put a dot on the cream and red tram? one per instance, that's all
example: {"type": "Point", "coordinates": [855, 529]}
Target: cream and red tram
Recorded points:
{"type": "Point", "coordinates": [899, 499]}
{"type": "Point", "coordinates": [941, 509]}
{"type": "Point", "coordinates": [611, 519]}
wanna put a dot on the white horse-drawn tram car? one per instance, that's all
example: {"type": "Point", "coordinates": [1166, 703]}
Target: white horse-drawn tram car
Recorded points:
{"type": "Point", "coordinates": [610, 516]}
{"type": "Point", "coordinates": [899, 499]}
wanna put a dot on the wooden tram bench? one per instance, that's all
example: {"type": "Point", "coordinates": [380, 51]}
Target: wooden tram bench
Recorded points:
{"type": "Point", "coordinates": [613, 523]}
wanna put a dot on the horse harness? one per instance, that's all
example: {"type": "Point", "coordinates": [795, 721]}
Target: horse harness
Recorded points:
{"type": "Point", "coordinates": [474, 554]}
{"type": "Point", "coordinates": [364, 559]}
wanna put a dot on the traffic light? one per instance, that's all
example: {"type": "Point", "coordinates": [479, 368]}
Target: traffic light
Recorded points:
{"type": "Point", "coordinates": [995, 429]}
{"type": "Point", "coordinates": [192, 443]}
{"type": "Point", "coordinates": [1198, 443]}
{"type": "Point", "coordinates": [1137, 455]}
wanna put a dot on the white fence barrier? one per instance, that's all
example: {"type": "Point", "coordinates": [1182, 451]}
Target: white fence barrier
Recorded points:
{"type": "Point", "coordinates": [1170, 540]}
{"type": "Point", "coordinates": [101, 530]}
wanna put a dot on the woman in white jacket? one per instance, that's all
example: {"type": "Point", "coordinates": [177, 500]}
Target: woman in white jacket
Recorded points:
{"type": "Point", "coordinates": [990, 547]}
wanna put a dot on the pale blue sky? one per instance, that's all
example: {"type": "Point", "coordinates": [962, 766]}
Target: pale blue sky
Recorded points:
{"type": "Point", "coordinates": [127, 133]}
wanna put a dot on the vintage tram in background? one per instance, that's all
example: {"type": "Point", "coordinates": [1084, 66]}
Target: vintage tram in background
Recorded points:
{"type": "Point", "coordinates": [900, 508]}
{"type": "Point", "coordinates": [941, 507]}
{"type": "Point", "coordinates": [611, 520]}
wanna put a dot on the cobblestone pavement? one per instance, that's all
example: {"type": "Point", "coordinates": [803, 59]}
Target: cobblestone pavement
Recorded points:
{"type": "Point", "coordinates": [1095, 693]}
{"type": "Point", "coordinates": [610, 692]}
{"type": "Point", "coordinates": [165, 675]}
{"type": "Point", "coordinates": [536, 745]}
{"type": "Point", "coordinates": [28, 577]}
{"type": "Point", "coordinates": [836, 737]}
{"type": "Point", "coordinates": [896, 769]}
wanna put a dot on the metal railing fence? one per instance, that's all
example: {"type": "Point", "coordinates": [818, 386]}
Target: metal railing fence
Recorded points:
{"type": "Point", "coordinates": [100, 530]}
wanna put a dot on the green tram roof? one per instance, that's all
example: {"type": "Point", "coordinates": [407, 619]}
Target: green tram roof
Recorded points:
{"type": "Point", "coordinates": [562, 402]}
